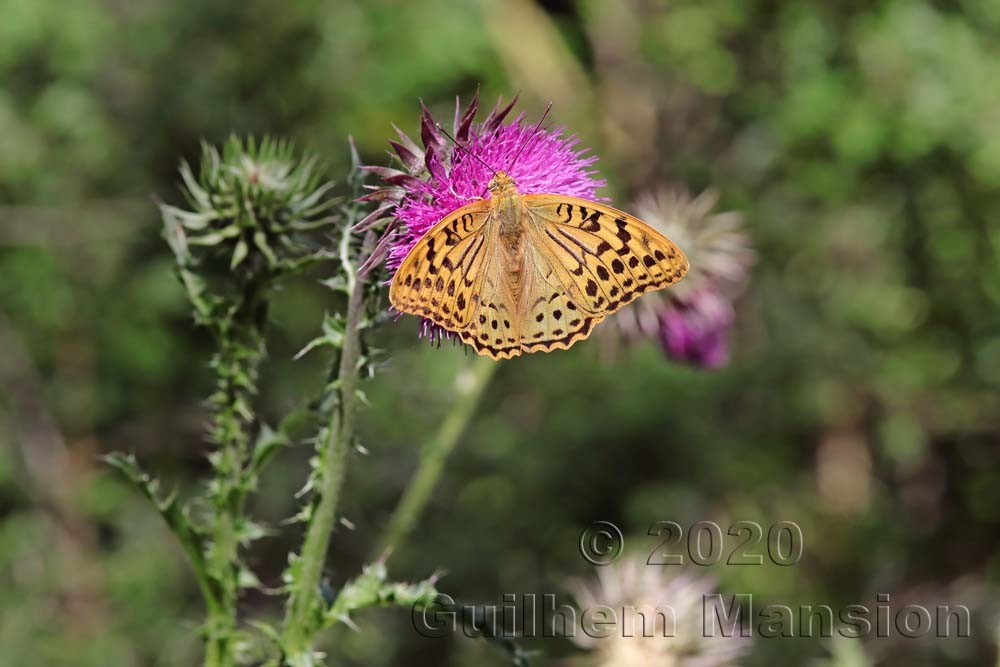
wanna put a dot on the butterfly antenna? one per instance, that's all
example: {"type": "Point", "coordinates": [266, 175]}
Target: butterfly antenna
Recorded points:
{"type": "Point", "coordinates": [467, 151]}
{"type": "Point", "coordinates": [534, 131]}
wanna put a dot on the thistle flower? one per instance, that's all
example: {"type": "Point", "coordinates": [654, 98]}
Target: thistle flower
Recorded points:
{"type": "Point", "coordinates": [631, 585]}
{"type": "Point", "coordinates": [438, 178]}
{"type": "Point", "coordinates": [692, 319]}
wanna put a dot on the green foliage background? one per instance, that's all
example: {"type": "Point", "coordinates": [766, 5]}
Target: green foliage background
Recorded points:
{"type": "Point", "coordinates": [859, 139]}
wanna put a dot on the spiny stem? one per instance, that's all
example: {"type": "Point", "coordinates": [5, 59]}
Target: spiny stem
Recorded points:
{"type": "Point", "coordinates": [241, 351]}
{"type": "Point", "coordinates": [472, 382]}
{"type": "Point", "coordinates": [305, 600]}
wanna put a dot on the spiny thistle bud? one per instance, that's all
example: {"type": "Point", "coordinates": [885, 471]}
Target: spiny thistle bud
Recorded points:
{"type": "Point", "coordinates": [250, 205]}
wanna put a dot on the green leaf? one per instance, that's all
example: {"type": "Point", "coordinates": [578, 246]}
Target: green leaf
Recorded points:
{"type": "Point", "coordinates": [239, 254]}
{"type": "Point", "coordinates": [177, 518]}
{"type": "Point", "coordinates": [215, 238]}
{"type": "Point", "coordinates": [247, 579]}
{"type": "Point", "coordinates": [333, 336]}
{"type": "Point", "coordinates": [260, 240]}
{"type": "Point", "coordinates": [197, 194]}
{"type": "Point", "coordinates": [371, 589]}
{"type": "Point", "coordinates": [268, 630]}
{"type": "Point", "coordinates": [267, 445]}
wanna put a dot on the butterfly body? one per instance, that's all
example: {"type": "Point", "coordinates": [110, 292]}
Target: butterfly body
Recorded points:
{"type": "Point", "coordinates": [517, 273]}
{"type": "Point", "coordinates": [507, 205]}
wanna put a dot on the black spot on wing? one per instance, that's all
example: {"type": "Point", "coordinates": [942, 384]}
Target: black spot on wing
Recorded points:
{"type": "Point", "coordinates": [591, 220]}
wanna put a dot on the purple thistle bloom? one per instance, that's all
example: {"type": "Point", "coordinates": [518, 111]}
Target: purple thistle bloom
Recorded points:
{"type": "Point", "coordinates": [692, 320]}
{"type": "Point", "coordinates": [696, 330]}
{"type": "Point", "coordinates": [439, 178]}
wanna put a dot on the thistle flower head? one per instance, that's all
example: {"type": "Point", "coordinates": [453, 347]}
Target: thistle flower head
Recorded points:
{"type": "Point", "coordinates": [675, 637]}
{"type": "Point", "coordinates": [249, 204]}
{"type": "Point", "coordinates": [437, 177]}
{"type": "Point", "coordinates": [692, 319]}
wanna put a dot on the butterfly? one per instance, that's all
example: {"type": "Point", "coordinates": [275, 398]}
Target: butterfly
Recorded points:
{"type": "Point", "coordinates": [515, 274]}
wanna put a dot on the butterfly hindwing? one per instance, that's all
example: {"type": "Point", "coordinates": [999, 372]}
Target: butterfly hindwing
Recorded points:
{"type": "Point", "coordinates": [604, 257]}
{"type": "Point", "coordinates": [493, 330]}
{"type": "Point", "coordinates": [441, 277]}
{"type": "Point", "coordinates": [493, 327]}
{"type": "Point", "coordinates": [553, 319]}
{"type": "Point", "coordinates": [542, 318]}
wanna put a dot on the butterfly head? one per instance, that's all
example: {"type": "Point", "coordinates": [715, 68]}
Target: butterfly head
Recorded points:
{"type": "Point", "coordinates": [502, 185]}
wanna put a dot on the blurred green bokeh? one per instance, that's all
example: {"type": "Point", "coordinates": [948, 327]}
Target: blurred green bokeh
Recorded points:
{"type": "Point", "coordinates": [860, 140]}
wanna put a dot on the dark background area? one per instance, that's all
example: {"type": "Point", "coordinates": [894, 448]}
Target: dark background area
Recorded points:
{"type": "Point", "coordinates": [859, 140]}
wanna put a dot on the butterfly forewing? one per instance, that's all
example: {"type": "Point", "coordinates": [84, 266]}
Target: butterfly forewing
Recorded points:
{"type": "Point", "coordinates": [604, 257]}
{"type": "Point", "coordinates": [441, 277]}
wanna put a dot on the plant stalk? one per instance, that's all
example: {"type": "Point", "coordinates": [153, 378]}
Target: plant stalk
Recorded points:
{"type": "Point", "coordinates": [304, 601]}
{"type": "Point", "coordinates": [238, 363]}
{"type": "Point", "coordinates": [472, 382]}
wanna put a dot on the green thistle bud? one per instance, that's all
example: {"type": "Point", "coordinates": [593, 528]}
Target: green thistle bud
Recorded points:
{"type": "Point", "coordinates": [250, 206]}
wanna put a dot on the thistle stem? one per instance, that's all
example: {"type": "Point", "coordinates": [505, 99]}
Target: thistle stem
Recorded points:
{"type": "Point", "coordinates": [241, 351]}
{"type": "Point", "coordinates": [472, 382]}
{"type": "Point", "coordinates": [304, 600]}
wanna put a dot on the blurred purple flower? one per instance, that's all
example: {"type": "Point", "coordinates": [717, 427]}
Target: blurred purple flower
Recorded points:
{"type": "Point", "coordinates": [697, 330]}
{"type": "Point", "coordinates": [692, 319]}
{"type": "Point", "coordinates": [438, 178]}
